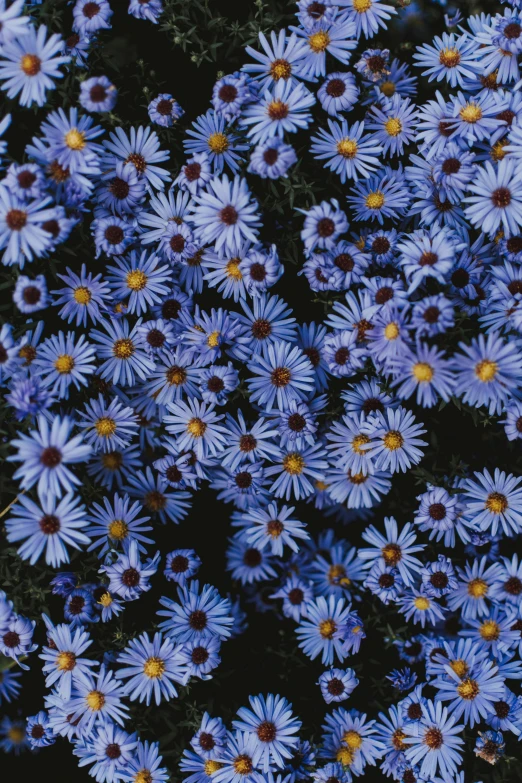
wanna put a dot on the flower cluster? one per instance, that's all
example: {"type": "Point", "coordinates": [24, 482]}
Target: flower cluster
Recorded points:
{"type": "Point", "coordinates": [165, 361]}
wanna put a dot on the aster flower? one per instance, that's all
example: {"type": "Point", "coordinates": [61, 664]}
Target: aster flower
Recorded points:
{"type": "Point", "coordinates": [393, 549]}
{"type": "Point", "coordinates": [128, 576]}
{"type": "Point", "coordinates": [200, 613]}
{"type": "Point", "coordinates": [164, 110]}
{"type": "Point", "coordinates": [141, 278]}
{"type": "Point", "coordinates": [337, 684]}
{"type": "Point", "coordinates": [30, 64]}
{"type": "Point", "coordinates": [116, 522]}
{"type": "Point", "coordinates": [62, 363]}
{"type": "Point", "coordinates": [319, 632]}
{"type": "Point", "coordinates": [181, 565]}
{"type": "Point", "coordinates": [150, 10]}
{"type": "Point", "coordinates": [393, 123]}
{"type": "Point", "coordinates": [497, 199]}
{"type": "Point", "coordinates": [436, 744]}
{"type": "Point", "coordinates": [367, 15]}
{"type": "Point", "coordinates": [274, 528]}
{"type": "Point", "coordinates": [493, 501]}
{"type": "Point", "coordinates": [420, 608]}
{"type": "Point", "coordinates": [283, 374]}
{"type": "Point", "coordinates": [281, 60]}
{"type": "Point", "coordinates": [348, 152]}
{"type": "Point", "coordinates": [212, 135]}
{"type": "Point", "coordinates": [271, 721]}
{"type": "Point", "coordinates": [394, 440]}
{"type": "Point", "coordinates": [324, 224]}
{"type": "Point", "coordinates": [122, 351]}
{"type": "Point", "coordinates": [140, 149]}
{"type": "Point", "coordinates": [63, 661]}
{"type": "Point", "coordinates": [272, 159]}
{"type": "Point", "coordinates": [380, 196]}
{"type": "Point", "coordinates": [338, 93]}
{"type": "Point", "coordinates": [152, 668]}
{"type": "Point", "coordinates": [451, 57]}
{"type": "Point", "coordinates": [424, 373]}
{"type": "Point", "coordinates": [16, 639]}
{"type": "Point", "coordinates": [283, 109]}
{"type": "Point", "coordinates": [333, 35]}
{"type": "Point", "coordinates": [22, 232]}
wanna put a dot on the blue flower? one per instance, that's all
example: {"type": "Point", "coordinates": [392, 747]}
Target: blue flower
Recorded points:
{"type": "Point", "coordinates": [394, 440]}
{"type": "Point", "coordinates": [494, 501]}
{"type": "Point", "coordinates": [333, 35]}
{"type": "Point", "coordinates": [140, 149]}
{"type": "Point", "coordinates": [273, 527]}
{"type": "Point", "coordinates": [393, 122]}
{"type": "Point", "coordinates": [338, 93]}
{"type": "Point", "coordinates": [451, 57]}
{"type": "Point", "coordinates": [393, 549]}
{"type": "Point", "coordinates": [436, 744]}
{"type": "Point", "coordinates": [151, 10]}
{"type": "Point", "coordinates": [283, 109]}
{"type": "Point", "coordinates": [272, 159]}
{"type": "Point", "coordinates": [367, 15]}
{"type": "Point", "coordinates": [16, 639]}
{"type": "Point", "coordinates": [324, 224]}
{"type": "Point", "coordinates": [152, 668]}
{"type": "Point", "coordinates": [284, 373]}
{"type": "Point", "coordinates": [98, 94]}
{"type": "Point", "coordinates": [39, 733]}
{"type": "Point", "coordinates": [164, 110]}
{"type": "Point", "coordinates": [497, 199]}
{"type": "Point", "coordinates": [270, 720]}
{"type": "Point", "coordinates": [490, 746]}
{"type": "Point", "coordinates": [349, 153]}
{"type": "Point", "coordinates": [128, 576]}
{"type": "Point", "coordinates": [383, 195]}
{"type": "Point", "coordinates": [319, 632]}
{"type": "Point", "coordinates": [181, 565]}
{"type": "Point", "coordinates": [337, 684]}
{"type": "Point", "coordinates": [123, 352]}
{"type": "Point", "coordinates": [198, 615]}
{"type": "Point", "coordinates": [109, 750]}
{"type": "Point", "coordinates": [89, 17]}
{"type": "Point", "coordinates": [282, 60]}
{"type": "Point", "coordinates": [212, 134]}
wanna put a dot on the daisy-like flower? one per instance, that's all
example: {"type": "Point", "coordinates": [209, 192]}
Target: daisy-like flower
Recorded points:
{"type": "Point", "coordinates": [128, 576]}
{"type": "Point", "coordinates": [338, 93]}
{"type": "Point", "coordinates": [164, 110]}
{"type": "Point", "coordinates": [393, 124]}
{"type": "Point", "coordinates": [272, 722]}
{"type": "Point", "coordinates": [109, 751]}
{"type": "Point", "coordinates": [383, 195]}
{"type": "Point", "coordinates": [420, 608]}
{"type": "Point", "coordinates": [122, 351]}
{"type": "Point", "coordinates": [120, 190]}
{"type": "Point", "coordinates": [283, 109]}
{"type": "Point", "coordinates": [394, 440]}
{"type": "Point", "coordinates": [474, 588]}
{"type": "Point", "coordinates": [89, 16]}
{"type": "Point", "coordinates": [63, 661]}
{"type": "Point", "coordinates": [181, 565]}
{"type": "Point", "coordinates": [22, 232]}
{"type": "Point", "coordinates": [212, 134]}
{"type": "Point", "coordinates": [508, 587]}
{"type": "Point", "coordinates": [285, 373]}
{"type": "Point", "coordinates": [393, 549]}
{"type": "Point", "coordinates": [51, 528]}
{"type": "Point", "coordinates": [273, 527]}
{"type": "Point", "coordinates": [145, 763]}
{"type": "Point", "coordinates": [108, 427]}
{"type": "Point", "coordinates": [200, 614]}
{"type": "Point", "coordinates": [487, 371]}
{"type": "Point", "coordinates": [439, 578]}
{"type": "Point", "coordinates": [473, 696]}
{"type": "Point", "coordinates": [494, 501]}
{"type": "Point", "coordinates": [367, 15]}
{"type": "Point", "coordinates": [320, 631]}
{"type": "Point", "coordinates": [247, 443]}
{"type": "Point", "coordinates": [427, 253]}
{"type": "Point", "coordinates": [324, 224]}
{"type": "Point", "coordinates": [62, 363]}
{"type": "Point", "coordinates": [39, 732]}
{"type": "Point", "coordinates": [70, 140]}
{"type": "Point", "coordinates": [195, 174]}
{"type": "Point", "coordinates": [152, 667]}
{"type": "Point", "coordinates": [30, 295]}
{"type": "Point", "coordinates": [141, 278]}
{"type": "Point", "coordinates": [435, 743]}
{"type": "Point", "coordinates": [433, 315]}
{"type": "Point", "coordinates": [425, 373]}
{"type": "Point", "coordinates": [30, 64]}
{"type": "Point", "coordinates": [497, 198]}
{"type": "Point", "coordinates": [114, 523]}
{"type": "Point", "coordinates": [281, 59]}
{"type": "Point", "coordinates": [272, 159]}
{"type": "Point", "coordinates": [225, 214]}
{"type": "Point", "coordinates": [334, 35]}
{"type": "Point", "coordinates": [346, 440]}
{"type": "Point", "coordinates": [13, 24]}
{"type": "Point", "coordinates": [150, 10]}
{"type": "Point", "coordinates": [451, 57]}
{"type": "Point", "coordinates": [140, 149]}
{"type": "Point", "coordinates": [337, 684]}
{"type": "Point", "coordinates": [83, 298]}
{"type": "Point", "coordinates": [473, 119]}
{"type": "Point", "coordinates": [350, 154]}
{"type": "Point", "coordinates": [231, 93]}
{"type": "Point", "coordinates": [16, 639]}
{"type": "Point", "coordinates": [296, 594]}
{"type": "Point", "coordinates": [98, 94]}
{"type": "Point", "coordinates": [45, 454]}
{"type": "Point", "coordinates": [195, 425]}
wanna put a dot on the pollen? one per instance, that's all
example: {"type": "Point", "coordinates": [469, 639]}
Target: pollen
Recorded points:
{"type": "Point", "coordinates": [196, 427]}
{"type": "Point", "coordinates": [388, 88]}
{"type": "Point", "coordinates": [450, 58]}
{"type": "Point", "coordinates": [211, 766]}
{"type": "Point", "coordinates": [460, 667]}
{"type": "Point", "coordinates": [489, 630]}
{"type": "Point", "coordinates": [66, 661]}
{"type": "Point", "coordinates": [75, 139]}
{"type": "Point", "coordinates": [393, 440]}
{"type": "Point", "coordinates": [468, 689]}
{"type": "Point", "coordinates": [344, 756]}
{"type": "Point", "coordinates": [356, 478]}
{"type": "Point", "coordinates": [496, 503]}
{"type": "Point", "coordinates": [392, 554]}
{"type": "Point", "coordinates": [154, 667]}
{"type": "Point", "coordinates": [280, 69]}
{"type": "Point", "coordinates": [293, 464]}
{"type": "Point", "coordinates": [123, 349]}
{"type": "Point", "coordinates": [391, 331]}
{"type": "Point", "coordinates": [176, 376]}
{"type": "Point", "coordinates": [422, 372]}
{"type": "Point", "coordinates": [143, 776]}
{"type": "Point", "coordinates": [393, 126]}
{"type": "Point", "coordinates": [277, 110]}
{"type": "Point", "coordinates": [118, 529]}
{"type": "Point", "coordinates": [358, 441]}
{"type": "Point", "coordinates": [486, 370]}
{"type": "Point", "coordinates": [136, 280]}
{"type": "Point", "coordinates": [232, 269]}
{"type": "Point", "coordinates": [105, 599]}
{"type": "Point", "coordinates": [471, 113]}
{"type": "Point", "coordinates": [337, 573]}
{"type": "Point", "coordinates": [64, 364]}
{"type": "Point", "coordinates": [218, 143]}
{"type": "Point", "coordinates": [327, 628]}
{"type": "Point", "coordinates": [105, 427]}
{"type": "Point", "coordinates": [213, 339]}
{"type": "Point", "coordinates": [274, 528]}
{"type": "Point", "coordinates": [422, 603]}
{"type": "Point", "coordinates": [319, 41]}
{"type": "Point", "coordinates": [243, 765]}
{"type": "Point", "coordinates": [95, 700]}
{"type": "Point", "coordinates": [497, 151]}
{"type": "Point", "coordinates": [352, 739]}
{"type": "Point", "coordinates": [281, 377]}
{"type": "Point", "coordinates": [397, 740]}
{"type": "Point", "coordinates": [347, 148]}
{"type": "Point", "coordinates": [31, 64]}
{"type": "Point", "coordinates": [374, 200]}
{"type": "Point", "coordinates": [82, 295]}
{"type": "Point", "coordinates": [477, 588]}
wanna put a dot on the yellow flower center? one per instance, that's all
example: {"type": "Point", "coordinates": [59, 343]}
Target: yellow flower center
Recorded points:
{"type": "Point", "coordinates": [486, 370]}
{"type": "Point", "coordinates": [460, 667]}
{"type": "Point", "coordinates": [82, 295]}
{"type": "Point", "coordinates": [30, 64]}
{"type": "Point", "coordinates": [496, 503]}
{"type": "Point", "coordinates": [66, 661]}
{"type": "Point", "coordinates": [212, 766]}
{"type": "Point", "coordinates": [154, 667]}
{"type": "Point", "coordinates": [95, 700]}
{"type": "Point", "coordinates": [243, 765]}
{"type": "Point", "coordinates": [105, 599]}
{"type": "Point", "coordinates": [477, 588]}
{"type": "Point", "coordinates": [123, 349]}
{"type": "Point", "coordinates": [391, 331]}
{"type": "Point", "coordinates": [327, 628]}
{"type": "Point", "coordinates": [397, 739]}
{"type": "Point", "coordinates": [489, 630]}
{"type": "Point", "coordinates": [118, 529]}
{"type": "Point", "coordinates": [75, 139]}
{"type": "Point", "coordinates": [319, 41]}
{"type": "Point", "coordinates": [392, 554]}
{"type": "Point", "coordinates": [335, 572]}
{"type": "Point", "coordinates": [196, 427]}
{"type": "Point", "coordinates": [358, 441]}
{"type": "Point", "coordinates": [388, 88]}
{"type": "Point", "coordinates": [293, 464]}
{"type": "Point", "coordinates": [213, 339]}
{"type": "Point", "coordinates": [393, 126]}
{"type": "Point", "coordinates": [471, 113]}
{"type": "Point", "coordinates": [393, 440]}
{"type": "Point", "coordinates": [16, 734]}
{"type": "Point", "coordinates": [218, 143]}
{"type": "Point", "coordinates": [374, 200]}
{"type": "Point", "coordinates": [321, 485]}
{"type": "Point", "coordinates": [176, 376]}
{"type": "Point", "coordinates": [468, 689]}
{"type": "Point", "coordinates": [233, 270]}
{"type": "Point", "coordinates": [280, 69]}
{"type": "Point", "coordinates": [347, 148]}
{"type": "Point", "coordinates": [105, 427]}
{"type": "Point", "coordinates": [497, 151]}
{"type": "Point", "coordinates": [344, 756]}
{"type": "Point", "coordinates": [136, 280]}
{"type": "Point", "coordinates": [422, 372]}
{"type": "Point", "coordinates": [422, 603]}
{"type": "Point", "coordinates": [353, 739]}
{"type": "Point", "coordinates": [449, 57]}
{"type": "Point", "coordinates": [64, 364]}
{"type": "Point", "coordinates": [143, 776]}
